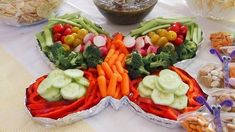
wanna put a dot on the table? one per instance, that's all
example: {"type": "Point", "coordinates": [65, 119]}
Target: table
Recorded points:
{"type": "Point", "coordinates": [21, 63]}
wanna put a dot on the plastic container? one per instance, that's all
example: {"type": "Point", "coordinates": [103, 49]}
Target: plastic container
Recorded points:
{"type": "Point", "coordinates": [215, 9]}
{"type": "Point", "coordinates": [27, 12]}
{"type": "Point", "coordinates": [125, 12]}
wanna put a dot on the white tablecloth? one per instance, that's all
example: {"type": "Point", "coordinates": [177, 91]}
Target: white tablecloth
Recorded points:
{"type": "Point", "coordinates": [21, 44]}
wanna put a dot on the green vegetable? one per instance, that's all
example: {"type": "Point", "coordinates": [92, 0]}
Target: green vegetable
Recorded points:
{"type": "Point", "coordinates": [95, 26]}
{"type": "Point", "coordinates": [41, 41]}
{"type": "Point", "coordinates": [92, 56]}
{"type": "Point", "coordinates": [65, 59]}
{"type": "Point", "coordinates": [48, 37]}
{"type": "Point", "coordinates": [187, 50]}
{"type": "Point", "coordinates": [161, 60]}
{"type": "Point", "coordinates": [81, 21]}
{"type": "Point", "coordinates": [135, 65]}
{"type": "Point", "coordinates": [65, 21]}
{"type": "Point", "coordinates": [155, 28]}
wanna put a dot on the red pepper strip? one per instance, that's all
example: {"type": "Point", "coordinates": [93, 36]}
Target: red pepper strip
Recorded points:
{"type": "Point", "coordinates": [145, 100]}
{"type": "Point", "coordinates": [34, 98]}
{"type": "Point", "coordinates": [29, 90]}
{"type": "Point", "coordinates": [37, 83]}
{"type": "Point", "coordinates": [93, 71]}
{"type": "Point", "coordinates": [46, 110]}
{"type": "Point", "coordinates": [63, 111]}
{"type": "Point", "coordinates": [166, 112]}
{"type": "Point", "coordinates": [144, 107]}
{"type": "Point", "coordinates": [189, 109]}
{"type": "Point", "coordinates": [48, 105]}
{"type": "Point", "coordinates": [134, 92]}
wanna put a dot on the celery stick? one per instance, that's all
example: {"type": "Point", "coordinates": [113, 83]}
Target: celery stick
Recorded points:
{"type": "Point", "coordinates": [188, 36]}
{"type": "Point", "coordinates": [191, 30]}
{"type": "Point", "coordinates": [195, 35]}
{"type": "Point", "coordinates": [65, 21]}
{"type": "Point", "coordinates": [48, 37]}
{"type": "Point", "coordinates": [169, 21]}
{"type": "Point", "coordinates": [81, 21]}
{"type": "Point", "coordinates": [68, 16]}
{"type": "Point", "coordinates": [144, 28]}
{"type": "Point", "coordinates": [199, 35]}
{"type": "Point", "coordinates": [95, 26]}
{"type": "Point", "coordinates": [155, 28]}
{"type": "Point", "coordinates": [41, 41]}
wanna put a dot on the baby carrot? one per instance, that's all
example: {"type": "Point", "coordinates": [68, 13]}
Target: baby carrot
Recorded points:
{"type": "Point", "coordinates": [107, 69]}
{"type": "Point", "coordinates": [100, 70]}
{"type": "Point", "coordinates": [125, 88]}
{"type": "Point", "coordinates": [109, 44]}
{"type": "Point", "coordinates": [119, 67]}
{"type": "Point", "coordinates": [118, 36]}
{"type": "Point", "coordinates": [112, 60]}
{"type": "Point", "coordinates": [121, 46]}
{"type": "Point", "coordinates": [124, 61]}
{"type": "Point", "coordinates": [112, 85]}
{"type": "Point", "coordinates": [118, 90]}
{"type": "Point", "coordinates": [121, 57]}
{"type": "Point", "coordinates": [110, 54]}
{"type": "Point", "coordinates": [102, 85]}
{"type": "Point", "coordinates": [119, 77]}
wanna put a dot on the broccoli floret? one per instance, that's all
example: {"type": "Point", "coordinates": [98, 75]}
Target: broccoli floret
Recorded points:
{"type": "Point", "coordinates": [187, 50]}
{"type": "Point", "coordinates": [170, 49]}
{"type": "Point", "coordinates": [135, 65]}
{"type": "Point", "coordinates": [162, 60]}
{"type": "Point", "coordinates": [65, 59]}
{"type": "Point", "coordinates": [92, 56]}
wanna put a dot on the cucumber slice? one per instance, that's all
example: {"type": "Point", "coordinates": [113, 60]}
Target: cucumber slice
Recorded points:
{"type": "Point", "coordinates": [159, 87]}
{"type": "Point", "coordinates": [182, 90]}
{"type": "Point", "coordinates": [73, 91]}
{"type": "Point", "coordinates": [180, 102]}
{"type": "Point", "coordinates": [74, 73]}
{"type": "Point", "coordinates": [169, 80]}
{"type": "Point", "coordinates": [61, 81]}
{"type": "Point", "coordinates": [161, 98]}
{"type": "Point", "coordinates": [52, 94]}
{"type": "Point", "coordinates": [144, 91]}
{"type": "Point", "coordinates": [149, 81]}
{"type": "Point", "coordinates": [83, 81]}
{"type": "Point", "coordinates": [44, 85]}
{"type": "Point", "coordinates": [55, 73]}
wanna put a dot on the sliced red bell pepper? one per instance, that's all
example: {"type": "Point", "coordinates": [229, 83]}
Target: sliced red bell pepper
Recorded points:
{"type": "Point", "coordinates": [145, 100]}
{"type": "Point", "coordinates": [133, 87]}
{"type": "Point", "coordinates": [63, 111]}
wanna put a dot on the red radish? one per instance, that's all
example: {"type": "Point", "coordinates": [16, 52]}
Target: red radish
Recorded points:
{"type": "Point", "coordinates": [103, 50]}
{"type": "Point", "coordinates": [79, 48]}
{"type": "Point", "coordinates": [99, 41]}
{"type": "Point", "coordinates": [139, 43]}
{"type": "Point", "coordinates": [147, 40]}
{"type": "Point", "coordinates": [129, 41]}
{"type": "Point", "coordinates": [146, 46]}
{"type": "Point", "coordinates": [104, 36]}
{"type": "Point", "coordinates": [142, 52]}
{"type": "Point", "coordinates": [152, 49]}
{"type": "Point", "coordinates": [88, 37]}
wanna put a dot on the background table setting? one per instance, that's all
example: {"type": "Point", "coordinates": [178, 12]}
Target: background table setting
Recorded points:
{"type": "Point", "coordinates": [21, 63]}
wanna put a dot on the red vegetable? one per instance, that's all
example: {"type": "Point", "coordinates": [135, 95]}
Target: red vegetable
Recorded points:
{"type": "Point", "coordinates": [58, 28]}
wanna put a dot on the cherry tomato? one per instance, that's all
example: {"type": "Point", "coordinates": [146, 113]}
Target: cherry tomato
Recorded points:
{"type": "Point", "coordinates": [178, 41]}
{"type": "Point", "coordinates": [150, 34]}
{"type": "Point", "coordinates": [77, 42]}
{"type": "Point", "coordinates": [171, 36]}
{"type": "Point", "coordinates": [58, 28]}
{"type": "Point", "coordinates": [75, 29]}
{"type": "Point", "coordinates": [75, 35]}
{"type": "Point", "coordinates": [183, 30]}
{"type": "Point", "coordinates": [175, 28]}
{"type": "Point", "coordinates": [56, 37]}
{"type": "Point", "coordinates": [67, 31]}
{"type": "Point", "coordinates": [162, 41]}
{"type": "Point", "coordinates": [162, 32]}
{"type": "Point", "coordinates": [178, 24]}
{"type": "Point", "coordinates": [62, 39]}
{"type": "Point", "coordinates": [69, 39]}
{"type": "Point", "coordinates": [66, 47]}
{"type": "Point", "coordinates": [181, 36]}
{"type": "Point", "coordinates": [82, 33]}
{"type": "Point", "coordinates": [67, 26]}
{"type": "Point", "coordinates": [154, 38]}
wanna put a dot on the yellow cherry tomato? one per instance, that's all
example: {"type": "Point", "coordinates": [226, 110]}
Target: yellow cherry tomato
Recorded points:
{"type": "Point", "coordinates": [162, 41]}
{"type": "Point", "coordinates": [75, 35]}
{"type": "Point", "coordinates": [69, 39]}
{"type": "Point", "coordinates": [66, 47]}
{"type": "Point", "coordinates": [171, 36]}
{"type": "Point", "coordinates": [150, 34]}
{"type": "Point", "coordinates": [77, 42]}
{"type": "Point", "coordinates": [82, 33]}
{"type": "Point", "coordinates": [154, 38]}
{"type": "Point", "coordinates": [75, 29]}
{"type": "Point", "coordinates": [162, 32]}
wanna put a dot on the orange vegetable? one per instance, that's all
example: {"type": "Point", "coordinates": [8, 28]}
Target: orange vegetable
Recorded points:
{"type": "Point", "coordinates": [119, 67]}
{"type": "Point", "coordinates": [121, 57]}
{"type": "Point", "coordinates": [125, 87]}
{"type": "Point", "coordinates": [100, 70]}
{"type": "Point", "coordinates": [118, 91]}
{"type": "Point", "coordinates": [118, 36]}
{"type": "Point", "coordinates": [113, 58]}
{"type": "Point", "coordinates": [109, 44]}
{"type": "Point", "coordinates": [110, 54]}
{"type": "Point", "coordinates": [116, 71]}
{"type": "Point", "coordinates": [121, 46]}
{"type": "Point", "coordinates": [107, 69]}
{"type": "Point", "coordinates": [124, 61]}
{"type": "Point", "coordinates": [232, 72]}
{"type": "Point", "coordinates": [112, 85]}
{"type": "Point", "coordinates": [102, 85]}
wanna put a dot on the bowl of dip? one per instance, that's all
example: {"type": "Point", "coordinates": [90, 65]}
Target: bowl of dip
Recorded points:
{"type": "Point", "coordinates": [125, 12]}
